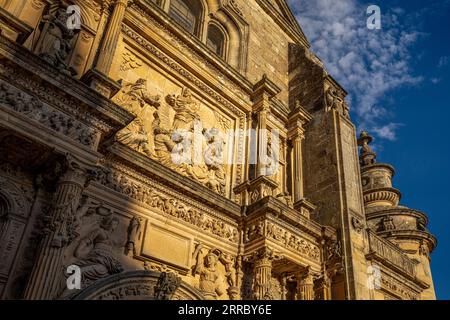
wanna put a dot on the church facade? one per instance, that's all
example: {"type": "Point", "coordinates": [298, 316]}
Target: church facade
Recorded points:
{"type": "Point", "coordinates": [189, 149]}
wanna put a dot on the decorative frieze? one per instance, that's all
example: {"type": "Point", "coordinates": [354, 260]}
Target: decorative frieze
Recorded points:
{"type": "Point", "coordinates": [51, 118]}
{"type": "Point", "coordinates": [166, 203]}
{"type": "Point", "coordinates": [261, 228]}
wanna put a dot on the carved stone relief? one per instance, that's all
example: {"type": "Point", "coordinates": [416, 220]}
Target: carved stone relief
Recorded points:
{"type": "Point", "coordinates": [165, 203]}
{"type": "Point", "coordinates": [274, 232]}
{"type": "Point", "coordinates": [36, 110]}
{"type": "Point", "coordinates": [176, 134]}
{"type": "Point", "coordinates": [212, 279]}
{"type": "Point", "coordinates": [54, 44]}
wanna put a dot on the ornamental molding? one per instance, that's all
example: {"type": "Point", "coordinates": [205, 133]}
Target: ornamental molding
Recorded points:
{"type": "Point", "coordinates": [148, 193]}
{"type": "Point", "coordinates": [32, 108]}
{"type": "Point", "coordinates": [294, 241]}
{"type": "Point", "coordinates": [27, 71]}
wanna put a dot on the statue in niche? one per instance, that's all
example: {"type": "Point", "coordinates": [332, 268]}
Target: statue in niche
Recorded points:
{"type": "Point", "coordinates": [210, 277]}
{"type": "Point", "coordinates": [135, 98]}
{"type": "Point", "coordinates": [133, 235]}
{"type": "Point", "coordinates": [100, 260]}
{"type": "Point", "coordinates": [271, 162]}
{"type": "Point", "coordinates": [54, 44]}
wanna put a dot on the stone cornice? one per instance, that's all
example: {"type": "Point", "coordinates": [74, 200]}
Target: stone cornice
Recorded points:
{"type": "Point", "coordinates": [370, 167]}
{"type": "Point", "coordinates": [73, 94]}
{"type": "Point", "coordinates": [410, 235]}
{"type": "Point", "coordinates": [392, 211]}
{"type": "Point", "coordinates": [281, 211]}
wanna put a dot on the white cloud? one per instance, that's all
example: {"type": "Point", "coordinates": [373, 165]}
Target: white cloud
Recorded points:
{"type": "Point", "coordinates": [435, 80]}
{"type": "Point", "coordinates": [388, 131]}
{"type": "Point", "coordinates": [370, 64]}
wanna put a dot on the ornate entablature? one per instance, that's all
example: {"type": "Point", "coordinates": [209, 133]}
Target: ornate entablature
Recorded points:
{"type": "Point", "coordinates": [153, 195]}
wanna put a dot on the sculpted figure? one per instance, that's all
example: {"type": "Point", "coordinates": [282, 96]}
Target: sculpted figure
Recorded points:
{"type": "Point", "coordinates": [213, 157]}
{"type": "Point", "coordinates": [133, 235]}
{"type": "Point", "coordinates": [186, 110]}
{"type": "Point", "coordinates": [54, 44]}
{"type": "Point", "coordinates": [335, 101]}
{"type": "Point", "coordinates": [100, 261]}
{"type": "Point", "coordinates": [163, 142]}
{"type": "Point", "coordinates": [135, 99]}
{"type": "Point", "coordinates": [210, 277]}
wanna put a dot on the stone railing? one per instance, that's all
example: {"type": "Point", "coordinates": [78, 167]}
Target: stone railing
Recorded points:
{"type": "Point", "coordinates": [390, 253]}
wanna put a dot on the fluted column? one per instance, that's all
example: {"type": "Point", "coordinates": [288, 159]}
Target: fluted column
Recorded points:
{"type": "Point", "coordinates": [46, 275]}
{"type": "Point", "coordinates": [297, 120]}
{"type": "Point", "coordinates": [98, 76]}
{"type": "Point", "coordinates": [305, 286]}
{"type": "Point", "coordinates": [111, 37]}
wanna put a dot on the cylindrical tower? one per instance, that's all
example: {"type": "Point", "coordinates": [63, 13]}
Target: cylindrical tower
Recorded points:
{"type": "Point", "coordinates": [401, 225]}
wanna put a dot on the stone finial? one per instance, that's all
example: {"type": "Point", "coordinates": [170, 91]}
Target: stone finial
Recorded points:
{"type": "Point", "coordinates": [367, 155]}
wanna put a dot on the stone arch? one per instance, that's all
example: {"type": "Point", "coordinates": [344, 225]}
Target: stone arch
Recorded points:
{"type": "Point", "coordinates": [134, 285]}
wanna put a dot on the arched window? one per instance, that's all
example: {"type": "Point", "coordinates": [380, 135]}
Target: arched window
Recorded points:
{"type": "Point", "coordinates": [216, 40]}
{"type": "Point", "coordinates": [187, 13]}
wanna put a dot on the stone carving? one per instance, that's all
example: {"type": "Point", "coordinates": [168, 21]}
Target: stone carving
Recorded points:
{"type": "Point", "coordinates": [292, 241]}
{"type": "Point", "coordinates": [234, 6]}
{"type": "Point", "coordinates": [254, 231]}
{"type": "Point", "coordinates": [357, 224]}
{"type": "Point", "coordinates": [398, 288]}
{"type": "Point", "coordinates": [334, 100]}
{"type": "Point", "coordinates": [166, 204]}
{"type": "Point", "coordinates": [286, 198]}
{"type": "Point", "coordinates": [100, 260]}
{"type": "Point", "coordinates": [54, 44]}
{"type": "Point", "coordinates": [130, 62]}
{"type": "Point", "coordinates": [135, 99]}
{"type": "Point", "coordinates": [262, 272]}
{"type": "Point", "coordinates": [35, 110]}
{"type": "Point", "coordinates": [133, 236]}
{"type": "Point", "coordinates": [166, 286]}
{"type": "Point", "coordinates": [213, 157]}
{"type": "Point", "coordinates": [367, 156]}
{"type": "Point", "coordinates": [84, 208]}
{"type": "Point", "coordinates": [174, 66]}
{"type": "Point", "coordinates": [386, 224]}
{"type": "Point", "coordinates": [333, 250]}
{"type": "Point", "coordinates": [210, 277]}
{"type": "Point", "coordinates": [424, 250]}
{"type": "Point", "coordinates": [173, 146]}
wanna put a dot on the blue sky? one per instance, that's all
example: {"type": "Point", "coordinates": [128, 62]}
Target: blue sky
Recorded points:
{"type": "Point", "coordinates": [398, 79]}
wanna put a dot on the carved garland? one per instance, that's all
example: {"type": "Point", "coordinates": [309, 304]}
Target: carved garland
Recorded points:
{"type": "Point", "coordinates": [151, 49]}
